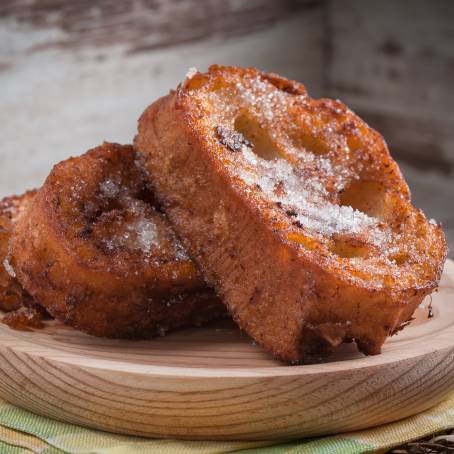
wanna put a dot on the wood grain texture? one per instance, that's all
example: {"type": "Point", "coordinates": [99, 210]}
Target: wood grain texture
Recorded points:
{"type": "Point", "coordinates": [394, 63]}
{"type": "Point", "coordinates": [144, 25]}
{"type": "Point", "coordinates": [59, 101]}
{"type": "Point", "coordinates": [214, 383]}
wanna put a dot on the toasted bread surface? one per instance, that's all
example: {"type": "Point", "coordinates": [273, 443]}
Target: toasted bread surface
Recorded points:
{"type": "Point", "coordinates": [294, 210]}
{"type": "Point", "coordinates": [94, 250]}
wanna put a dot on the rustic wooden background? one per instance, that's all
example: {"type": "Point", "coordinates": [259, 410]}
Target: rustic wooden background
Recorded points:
{"type": "Point", "coordinates": [74, 73]}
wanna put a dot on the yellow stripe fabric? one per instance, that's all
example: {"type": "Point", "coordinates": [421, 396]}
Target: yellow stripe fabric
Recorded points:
{"type": "Point", "coordinates": [24, 432]}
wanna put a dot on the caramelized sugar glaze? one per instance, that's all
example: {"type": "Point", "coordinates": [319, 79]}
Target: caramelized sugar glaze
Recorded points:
{"type": "Point", "coordinates": [294, 210]}
{"type": "Point", "coordinates": [94, 250]}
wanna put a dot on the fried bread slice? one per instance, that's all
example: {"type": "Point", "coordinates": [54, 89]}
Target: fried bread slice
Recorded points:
{"type": "Point", "coordinates": [94, 250]}
{"type": "Point", "coordinates": [21, 310]}
{"type": "Point", "coordinates": [294, 210]}
{"type": "Point", "coordinates": [12, 295]}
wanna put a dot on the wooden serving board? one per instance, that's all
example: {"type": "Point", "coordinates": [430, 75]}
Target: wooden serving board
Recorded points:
{"type": "Point", "coordinates": [215, 383]}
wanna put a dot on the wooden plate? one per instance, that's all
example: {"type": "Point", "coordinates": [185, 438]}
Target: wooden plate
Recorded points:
{"type": "Point", "coordinates": [214, 383]}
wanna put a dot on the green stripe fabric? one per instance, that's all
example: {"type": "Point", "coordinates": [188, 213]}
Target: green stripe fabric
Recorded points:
{"type": "Point", "coordinates": [24, 432]}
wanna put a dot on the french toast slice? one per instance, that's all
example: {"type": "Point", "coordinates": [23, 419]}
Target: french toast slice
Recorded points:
{"type": "Point", "coordinates": [294, 210]}
{"type": "Point", "coordinates": [96, 252]}
{"type": "Point", "coordinates": [12, 295]}
{"type": "Point", "coordinates": [21, 310]}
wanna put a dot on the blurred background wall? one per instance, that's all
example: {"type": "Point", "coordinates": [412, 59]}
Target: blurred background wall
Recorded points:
{"type": "Point", "coordinates": [74, 73]}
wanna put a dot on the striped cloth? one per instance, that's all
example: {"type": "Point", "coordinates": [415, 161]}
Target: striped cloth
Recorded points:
{"type": "Point", "coordinates": [24, 432]}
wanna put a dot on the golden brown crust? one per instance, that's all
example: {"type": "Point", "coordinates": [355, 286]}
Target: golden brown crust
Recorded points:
{"type": "Point", "coordinates": [12, 296]}
{"type": "Point", "coordinates": [22, 312]}
{"type": "Point", "coordinates": [294, 210]}
{"type": "Point", "coordinates": [95, 252]}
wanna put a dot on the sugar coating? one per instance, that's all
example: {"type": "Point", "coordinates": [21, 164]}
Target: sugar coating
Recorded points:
{"type": "Point", "coordinates": [138, 228]}
{"type": "Point", "coordinates": [109, 188]}
{"type": "Point", "coordinates": [180, 251]}
{"type": "Point", "coordinates": [141, 234]}
{"type": "Point", "coordinates": [9, 269]}
{"type": "Point", "coordinates": [146, 234]}
{"type": "Point", "coordinates": [137, 231]}
{"type": "Point", "coordinates": [192, 71]}
{"type": "Point", "coordinates": [314, 164]}
{"type": "Point", "coordinates": [281, 184]}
